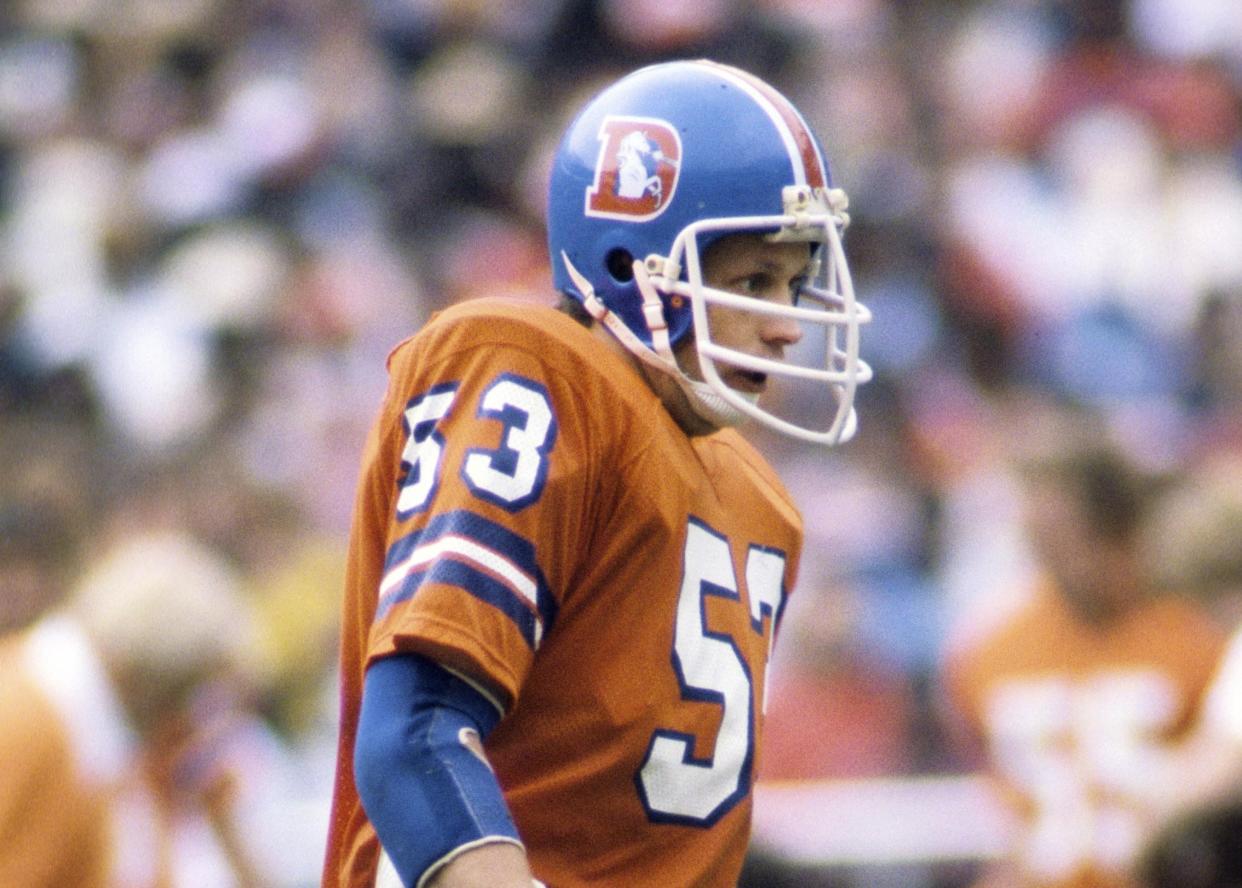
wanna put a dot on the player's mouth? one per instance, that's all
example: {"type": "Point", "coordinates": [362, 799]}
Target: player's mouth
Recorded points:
{"type": "Point", "coordinates": [750, 381]}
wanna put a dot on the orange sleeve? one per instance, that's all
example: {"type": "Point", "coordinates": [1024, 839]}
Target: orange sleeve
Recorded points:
{"type": "Point", "coordinates": [53, 828]}
{"type": "Point", "coordinates": [486, 452]}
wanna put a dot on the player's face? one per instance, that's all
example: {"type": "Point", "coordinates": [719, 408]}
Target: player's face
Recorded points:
{"type": "Point", "coordinates": [750, 265]}
{"type": "Point", "coordinates": [1092, 573]}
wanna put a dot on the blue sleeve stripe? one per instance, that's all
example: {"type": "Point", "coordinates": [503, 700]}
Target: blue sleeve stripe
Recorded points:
{"type": "Point", "coordinates": [481, 557]}
{"type": "Point", "coordinates": [478, 584]}
{"type": "Point", "coordinates": [465, 523]}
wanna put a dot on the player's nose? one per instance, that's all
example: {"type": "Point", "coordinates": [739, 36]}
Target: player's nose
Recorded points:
{"type": "Point", "coordinates": [779, 332]}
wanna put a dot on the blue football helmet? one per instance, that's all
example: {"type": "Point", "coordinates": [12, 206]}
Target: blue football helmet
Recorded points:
{"type": "Point", "coordinates": [657, 167]}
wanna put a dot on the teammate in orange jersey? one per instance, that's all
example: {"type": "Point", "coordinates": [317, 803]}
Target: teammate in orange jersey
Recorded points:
{"type": "Point", "coordinates": [565, 571]}
{"type": "Point", "coordinates": [1081, 698]}
{"type": "Point", "coordinates": [118, 760]}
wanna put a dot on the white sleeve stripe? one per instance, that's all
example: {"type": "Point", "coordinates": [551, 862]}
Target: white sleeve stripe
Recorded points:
{"type": "Point", "coordinates": [469, 550]}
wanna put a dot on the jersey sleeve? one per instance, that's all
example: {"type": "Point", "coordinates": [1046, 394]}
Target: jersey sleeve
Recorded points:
{"type": "Point", "coordinates": [485, 441]}
{"type": "Point", "coordinates": [53, 827]}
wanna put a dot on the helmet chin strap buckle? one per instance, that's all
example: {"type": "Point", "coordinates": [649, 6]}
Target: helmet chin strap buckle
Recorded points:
{"type": "Point", "coordinates": [662, 267]}
{"type": "Point", "coordinates": [653, 309]}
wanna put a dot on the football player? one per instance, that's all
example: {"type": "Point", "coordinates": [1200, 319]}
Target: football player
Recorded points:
{"type": "Point", "coordinates": [566, 569]}
{"type": "Point", "coordinates": [1080, 700]}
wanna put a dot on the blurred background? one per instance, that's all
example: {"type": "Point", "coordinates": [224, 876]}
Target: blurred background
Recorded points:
{"type": "Point", "coordinates": [217, 217]}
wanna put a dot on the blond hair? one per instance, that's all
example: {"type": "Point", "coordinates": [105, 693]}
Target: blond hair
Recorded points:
{"type": "Point", "coordinates": [166, 607]}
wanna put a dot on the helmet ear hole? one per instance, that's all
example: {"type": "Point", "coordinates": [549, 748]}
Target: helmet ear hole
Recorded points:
{"type": "Point", "coordinates": [620, 263]}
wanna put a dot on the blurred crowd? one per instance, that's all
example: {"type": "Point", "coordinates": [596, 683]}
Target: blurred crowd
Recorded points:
{"type": "Point", "coordinates": [218, 216]}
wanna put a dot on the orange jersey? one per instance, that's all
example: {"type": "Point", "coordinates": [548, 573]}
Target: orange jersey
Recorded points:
{"type": "Point", "coordinates": [79, 802]}
{"type": "Point", "coordinates": [55, 826]}
{"type": "Point", "coordinates": [530, 515]}
{"type": "Point", "coordinates": [1077, 721]}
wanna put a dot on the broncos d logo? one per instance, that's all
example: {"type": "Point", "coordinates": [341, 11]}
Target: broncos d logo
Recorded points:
{"type": "Point", "coordinates": [636, 172]}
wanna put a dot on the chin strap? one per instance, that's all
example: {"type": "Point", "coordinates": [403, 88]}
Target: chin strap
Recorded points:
{"type": "Point", "coordinates": [707, 403]}
{"type": "Point", "coordinates": [653, 314]}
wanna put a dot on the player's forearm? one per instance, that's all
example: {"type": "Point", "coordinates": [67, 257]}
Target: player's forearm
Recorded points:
{"type": "Point", "coordinates": [425, 782]}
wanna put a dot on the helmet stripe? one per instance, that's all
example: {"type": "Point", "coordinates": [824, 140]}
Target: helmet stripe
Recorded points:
{"type": "Point", "coordinates": [809, 167]}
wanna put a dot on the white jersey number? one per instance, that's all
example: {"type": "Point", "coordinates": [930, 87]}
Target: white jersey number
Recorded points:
{"type": "Point", "coordinates": [676, 786]}
{"type": "Point", "coordinates": [1088, 754]}
{"type": "Point", "coordinates": [420, 461]}
{"type": "Point", "coordinates": [511, 476]}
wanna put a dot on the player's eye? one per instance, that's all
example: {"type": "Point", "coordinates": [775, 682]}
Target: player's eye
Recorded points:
{"type": "Point", "coordinates": [754, 284]}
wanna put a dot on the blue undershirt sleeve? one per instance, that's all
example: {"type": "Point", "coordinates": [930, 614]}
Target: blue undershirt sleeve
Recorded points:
{"type": "Point", "coordinates": [427, 794]}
